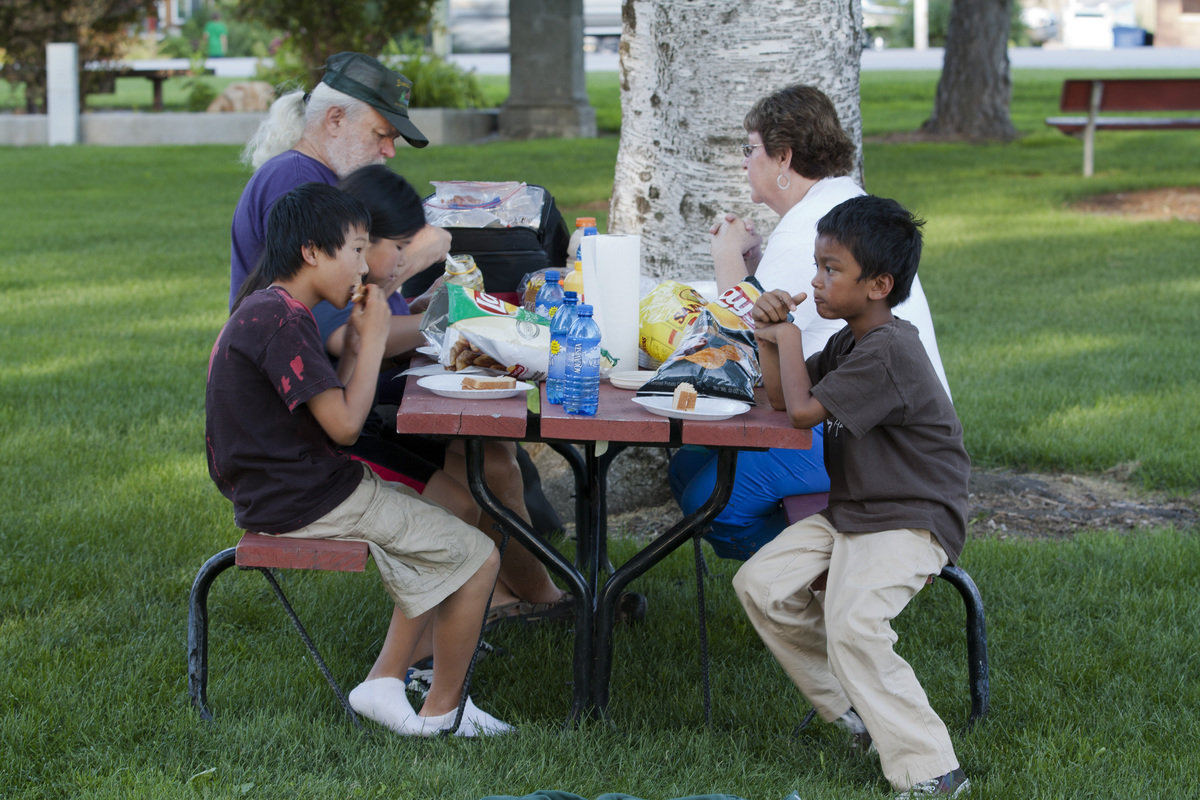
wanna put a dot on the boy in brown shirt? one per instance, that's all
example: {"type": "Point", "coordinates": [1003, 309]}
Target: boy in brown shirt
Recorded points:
{"type": "Point", "coordinates": [897, 501]}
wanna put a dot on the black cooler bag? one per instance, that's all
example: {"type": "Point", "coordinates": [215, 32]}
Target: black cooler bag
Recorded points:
{"type": "Point", "coordinates": [504, 255]}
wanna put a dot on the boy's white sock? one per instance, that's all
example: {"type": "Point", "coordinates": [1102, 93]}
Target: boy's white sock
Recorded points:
{"type": "Point", "coordinates": [475, 722]}
{"type": "Point", "coordinates": [432, 726]}
{"type": "Point", "coordinates": [383, 700]}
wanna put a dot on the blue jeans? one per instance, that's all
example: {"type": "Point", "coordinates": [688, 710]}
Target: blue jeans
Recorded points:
{"type": "Point", "coordinates": [754, 514]}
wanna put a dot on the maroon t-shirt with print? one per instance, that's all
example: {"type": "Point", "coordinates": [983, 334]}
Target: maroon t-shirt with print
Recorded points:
{"type": "Point", "coordinates": [266, 451]}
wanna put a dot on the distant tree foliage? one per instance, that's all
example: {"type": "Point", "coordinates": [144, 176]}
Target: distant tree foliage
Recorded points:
{"type": "Point", "coordinates": [901, 34]}
{"type": "Point", "coordinates": [317, 29]}
{"type": "Point", "coordinates": [101, 28]}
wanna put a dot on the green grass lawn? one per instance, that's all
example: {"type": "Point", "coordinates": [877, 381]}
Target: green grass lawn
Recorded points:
{"type": "Point", "coordinates": [1070, 344]}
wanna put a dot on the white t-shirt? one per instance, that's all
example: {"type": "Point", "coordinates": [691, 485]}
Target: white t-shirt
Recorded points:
{"type": "Point", "coordinates": [788, 263]}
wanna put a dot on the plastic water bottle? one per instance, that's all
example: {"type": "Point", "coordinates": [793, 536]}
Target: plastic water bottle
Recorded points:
{"type": "Point", "coordinates": [581, 224]}
{"type": "Point", "coordinates": [581, 384]}
{"type": "Point", "coordinates": [560, 326]}
{"type": "Point", "coordinates": [549, 297]}
{"type": "Point", "coordinates": [574, 280]}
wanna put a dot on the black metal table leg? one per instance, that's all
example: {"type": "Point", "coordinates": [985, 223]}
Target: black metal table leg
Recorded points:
{"type": "Point", "coordinates": [603, 462]}
{"type": "Point", "coordinates": [548, 555]}
{"type": "Point", "coordinates": [656, 551]}
{"type": "Point", "coordinates": [578, 466]}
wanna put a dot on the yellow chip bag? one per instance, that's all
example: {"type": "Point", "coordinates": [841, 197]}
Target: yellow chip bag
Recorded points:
{"type": "Point", "coordinates": [663, 316]}
{"type": "Point", "coordinates": [669, 310]}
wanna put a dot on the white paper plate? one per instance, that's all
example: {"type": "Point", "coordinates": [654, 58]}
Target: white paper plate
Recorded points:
{"type": "Point", "coordinates": [451, 386]}
{"type": "Point", "coordinates": [630, 380]}
{"type": "Point", "coordinates": [428, 350]}
{"type": "Point", "coordinates": [710, 408]}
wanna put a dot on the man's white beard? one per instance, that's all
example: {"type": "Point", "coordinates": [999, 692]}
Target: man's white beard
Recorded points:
{"type": "Point", "coordinates": [344, 160]}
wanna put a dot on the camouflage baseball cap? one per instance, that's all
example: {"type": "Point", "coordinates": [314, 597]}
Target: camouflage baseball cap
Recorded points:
{"type": "Point", "coordinates": [388, 92]}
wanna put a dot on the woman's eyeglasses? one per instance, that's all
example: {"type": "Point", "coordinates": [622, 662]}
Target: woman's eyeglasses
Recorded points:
{"type": "Point", "coordinates": [747, 149]}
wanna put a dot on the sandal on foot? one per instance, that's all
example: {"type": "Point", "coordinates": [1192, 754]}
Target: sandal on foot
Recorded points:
{"type": "Point", "coordinates": [503, 611]}
{"type": "Point", "coordinates": [562, 608]}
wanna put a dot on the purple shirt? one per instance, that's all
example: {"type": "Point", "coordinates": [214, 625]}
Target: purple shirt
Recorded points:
{"type": "Point", "coordinates": [266, 451]}
{"type": "Point", "coordinates": [275, 178]}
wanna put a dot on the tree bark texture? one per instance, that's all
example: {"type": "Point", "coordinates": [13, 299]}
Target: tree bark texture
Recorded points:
{"type": "Point", "coordinates": [690, 70]}
{"type": "Point", "coordinates": [975, 89]}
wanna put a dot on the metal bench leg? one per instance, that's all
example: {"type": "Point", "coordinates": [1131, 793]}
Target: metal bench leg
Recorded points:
{"type": "Point", "coordinates": [977, 657]}
{"type": "Point", "coordinates": [198, 628]}
{"type": "Point", "coordinates": [308, 642]}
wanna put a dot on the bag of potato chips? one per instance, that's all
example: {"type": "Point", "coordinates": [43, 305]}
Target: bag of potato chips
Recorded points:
{"type": "Point", "coordinates": [484, 331]}
{"type": "Point", "coordinates": [668, 312]}
{"type": "Point", "coordinates": [717, 361]}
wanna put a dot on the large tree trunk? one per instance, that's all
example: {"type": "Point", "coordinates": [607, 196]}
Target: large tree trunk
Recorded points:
{"type": "Point", "coordinates": [975, 89]}
{"type": "Point", "coordinates": [690, 70]}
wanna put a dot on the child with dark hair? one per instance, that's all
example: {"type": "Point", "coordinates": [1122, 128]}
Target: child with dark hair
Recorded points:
{"type": "Point", "coordinates": [435, 467]}
{"type": "Point", "coordinates": [277, 416]}
{"type": "Point", "coordinates": [897, 500]}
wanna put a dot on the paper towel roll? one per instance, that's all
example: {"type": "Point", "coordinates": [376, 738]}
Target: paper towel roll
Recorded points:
{"type": "Point", "coordinates": [612, 268]}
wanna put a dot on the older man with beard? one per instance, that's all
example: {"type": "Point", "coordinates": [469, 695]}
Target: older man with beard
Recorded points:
{"type": "Point", "coordinates": [351, 119]}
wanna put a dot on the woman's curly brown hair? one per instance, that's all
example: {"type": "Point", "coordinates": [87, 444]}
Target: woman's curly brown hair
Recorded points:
{"type": "Point", "coordinates": [802, 118]}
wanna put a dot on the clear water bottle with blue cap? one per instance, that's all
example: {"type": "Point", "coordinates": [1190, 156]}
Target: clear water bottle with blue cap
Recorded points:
{"type": "Point", "coordinates": [581, 384]}
{"type": "Point", "coordinates": [549, 297]}
{"type": "Point", "coordinates": [560, 326]}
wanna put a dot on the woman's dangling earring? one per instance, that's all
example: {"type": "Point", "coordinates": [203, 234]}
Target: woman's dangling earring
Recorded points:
{"type": "Point", "coordinates": [783, 181]}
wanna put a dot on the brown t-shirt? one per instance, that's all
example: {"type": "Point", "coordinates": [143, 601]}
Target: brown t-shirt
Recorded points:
{"type": "Point", "coordinates": [266, 451]}
{"type": "Point", "coordinates": [893, 444]}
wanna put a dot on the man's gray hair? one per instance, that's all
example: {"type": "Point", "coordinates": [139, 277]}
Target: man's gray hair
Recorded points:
{"type": "Point", "coordinates": [290, 116]}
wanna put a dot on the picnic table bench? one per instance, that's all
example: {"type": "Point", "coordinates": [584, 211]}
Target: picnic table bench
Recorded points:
{"type": "Point", "coordinates": [1094, 96]}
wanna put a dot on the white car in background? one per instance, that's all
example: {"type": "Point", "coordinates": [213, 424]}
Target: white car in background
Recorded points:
{"type": "Point", "coordinates": [1041, 23]}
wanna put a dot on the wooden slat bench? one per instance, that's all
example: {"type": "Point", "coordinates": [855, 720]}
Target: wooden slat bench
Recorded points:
{"type": "Point", "coordinates": [797, 507]}
{"type": "Point", "coordinates": [1093, 97]}
{"type": "Point", "coordinates": [265, 553]}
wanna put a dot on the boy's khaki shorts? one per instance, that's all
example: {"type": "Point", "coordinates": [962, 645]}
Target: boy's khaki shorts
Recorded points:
{"type": "Point", "coordinates": [423, 552]}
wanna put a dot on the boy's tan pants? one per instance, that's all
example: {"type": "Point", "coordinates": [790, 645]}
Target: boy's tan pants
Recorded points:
{"type": "Point", "coordinates": [836, 645]}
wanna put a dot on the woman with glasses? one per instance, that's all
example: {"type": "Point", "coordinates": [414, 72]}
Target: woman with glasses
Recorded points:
{"type": "Point", "coordinates": [798, 162]}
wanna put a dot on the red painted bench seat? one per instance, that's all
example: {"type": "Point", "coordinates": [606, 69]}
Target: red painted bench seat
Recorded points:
{"type": "Point", "coordinates": [1092, 97]}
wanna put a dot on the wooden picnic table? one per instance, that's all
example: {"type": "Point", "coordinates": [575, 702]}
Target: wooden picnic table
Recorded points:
{"type": "Point", "coordinates": [619, 423]}
{"type": "Point", "coordinates": [157, 74]}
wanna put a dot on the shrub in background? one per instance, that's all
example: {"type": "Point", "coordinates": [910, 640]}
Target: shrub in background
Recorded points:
{"type": "Point", "coordinates": [200, 93]}
{"type": "Point", "coordinates": [437, 83]}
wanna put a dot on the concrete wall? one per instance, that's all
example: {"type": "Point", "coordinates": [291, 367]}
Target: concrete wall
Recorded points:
{"type": "Point", "coordinates": [440, 125]}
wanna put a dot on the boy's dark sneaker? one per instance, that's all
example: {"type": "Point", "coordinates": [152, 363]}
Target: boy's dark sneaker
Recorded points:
{"type": "Point", "coordinates": [952, 784]}
{"type": "Point", "coordinates": [860, 738]}
{"type": "Point", "coordinates": [631, 607]}
{"type": "Point", "coordinates": [418, 681]}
